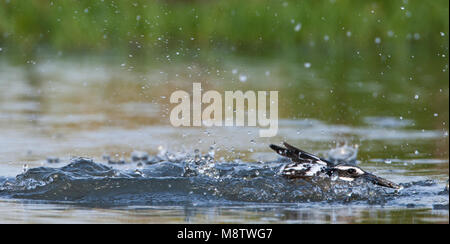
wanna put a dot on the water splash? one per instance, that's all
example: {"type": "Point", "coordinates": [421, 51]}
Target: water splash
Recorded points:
{"type": "Point", "coordinates": [179, 179]}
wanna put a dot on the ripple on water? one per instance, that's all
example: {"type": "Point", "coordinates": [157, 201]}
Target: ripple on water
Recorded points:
{"type": "Point", "coordinates": [190, 181]}
{"type": "Point", "coordinates": [388, 122]}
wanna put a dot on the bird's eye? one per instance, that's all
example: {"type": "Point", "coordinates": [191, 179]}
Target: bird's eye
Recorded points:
{"type": "Point", "coordinates": [351, 171]}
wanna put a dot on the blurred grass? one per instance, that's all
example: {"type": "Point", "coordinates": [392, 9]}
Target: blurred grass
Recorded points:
{"type": "Point", "coordinates": [369, 58]}
{"type": "Point", "coordinates": [249, 28]}
{"type": "Point", "coordinates": [395, 43]}
{"type": "Point", "coordinates": [401, 46]}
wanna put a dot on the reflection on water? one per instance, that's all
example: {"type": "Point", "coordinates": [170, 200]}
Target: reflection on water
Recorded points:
{"type": "Point", "coordinates": [13, 212]}
{"type": "Point", "coordinates": [65, 109]}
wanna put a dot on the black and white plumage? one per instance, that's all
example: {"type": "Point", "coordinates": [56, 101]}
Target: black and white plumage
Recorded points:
{"type": "Point", "coordinates": [303, 163]}
{"type": "Point", "coordinates": [307, 165]}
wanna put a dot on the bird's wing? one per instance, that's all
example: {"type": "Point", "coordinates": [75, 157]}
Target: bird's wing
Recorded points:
{"type": "Point", "coordinates": [298, 155]}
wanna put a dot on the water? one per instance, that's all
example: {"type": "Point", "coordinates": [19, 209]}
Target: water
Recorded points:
{"type": "Point", "coordinates": [70, 109]}
{"type": "Point", "coordinates": [189, 185]}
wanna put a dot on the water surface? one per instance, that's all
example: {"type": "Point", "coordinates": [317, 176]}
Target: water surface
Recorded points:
{"type": "Point", "coordinates": [79, 108]}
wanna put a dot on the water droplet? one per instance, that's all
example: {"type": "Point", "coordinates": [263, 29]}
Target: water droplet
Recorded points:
{"type": "Point", "coordinates": [435, 114]}
{"type": "Point", "coordinates": [211, 151]}
{"type": "Point", "coordinates": [442, 34]}
{"type": "Point", "coordinates": [377, 40]}
{"type": "Point", "coordinates": [416, 97]}
{"type": "Point", "coordinates": [416, 152]}
{"type": "Point", "coordinates": [334, 177]}
{"type": "Point", "coordinates": [307, 65]}
{"type": "Point", "coordinates": [161, 150]}
{"type": "Point", "coordinates": [298, 27]}
{"type": "Point", "coordinates": [242, 78]}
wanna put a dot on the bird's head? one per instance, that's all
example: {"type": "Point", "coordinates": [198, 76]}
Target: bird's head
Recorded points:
{"type": "Point", "coordinates": [351, 173]}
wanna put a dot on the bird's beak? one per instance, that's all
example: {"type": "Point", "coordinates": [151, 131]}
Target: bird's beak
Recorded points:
{"type": "Point", "coordinates": [380, 181]}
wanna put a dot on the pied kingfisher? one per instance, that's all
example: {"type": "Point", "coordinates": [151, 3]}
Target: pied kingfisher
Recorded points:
{"type": "Point", "coordinates": [307, 165]}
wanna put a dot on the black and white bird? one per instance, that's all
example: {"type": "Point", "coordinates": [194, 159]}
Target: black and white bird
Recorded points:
{"type": "Point", "coordinates": [306, 165]}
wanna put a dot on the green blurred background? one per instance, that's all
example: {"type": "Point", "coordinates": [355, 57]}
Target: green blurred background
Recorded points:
{"type": "Point", "coordinates": [368, 57]}
{"type": "Point", "coordinates": [327, 30]}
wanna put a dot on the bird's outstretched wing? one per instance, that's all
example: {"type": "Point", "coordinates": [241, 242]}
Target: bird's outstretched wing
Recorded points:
{"type": "Point", "coordinates": [298, 155]}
